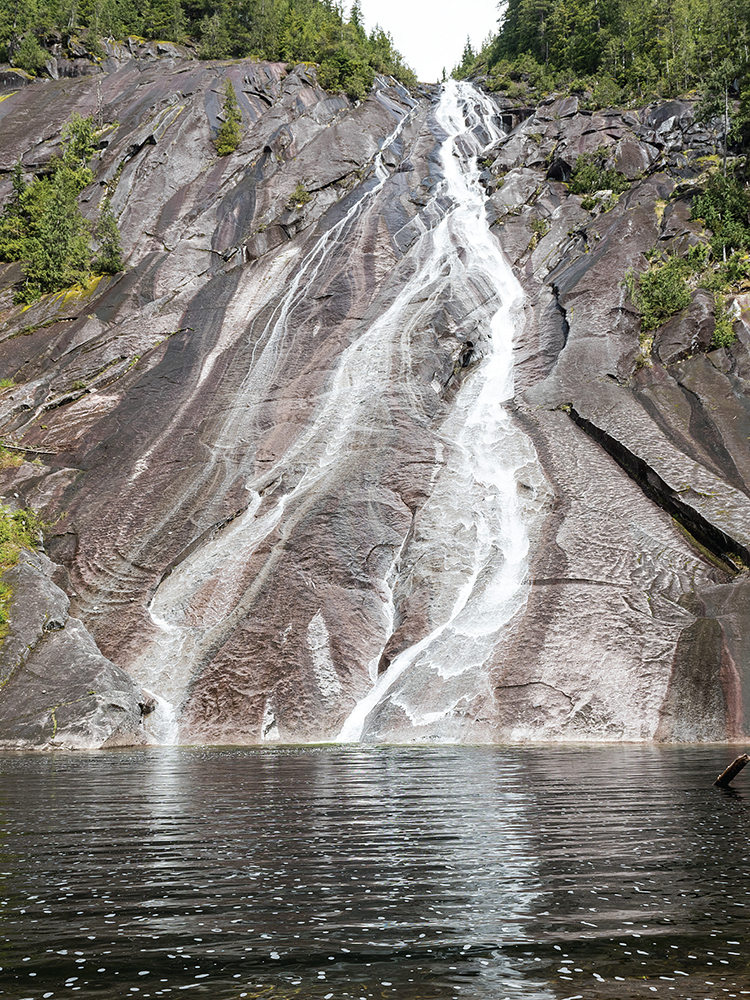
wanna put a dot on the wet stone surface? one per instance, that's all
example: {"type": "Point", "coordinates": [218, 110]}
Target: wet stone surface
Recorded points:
{"type": "Point", "coordinates": [274, 472]}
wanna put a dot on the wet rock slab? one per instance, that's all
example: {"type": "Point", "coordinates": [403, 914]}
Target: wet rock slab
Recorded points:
{"type": "Point", "coordinates": [238, 451]}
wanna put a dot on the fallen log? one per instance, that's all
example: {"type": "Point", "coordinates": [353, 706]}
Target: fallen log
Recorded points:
{"type": "Point", "coordinates": [732, 771]}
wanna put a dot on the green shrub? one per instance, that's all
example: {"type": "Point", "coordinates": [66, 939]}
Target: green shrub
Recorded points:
{"type": "Point", "coordinates": [109, 258]}
{"type": "Point", "coordinates": [606, 93]}
{"type": "Point", "coordinates": [724, 335]}
{"type": "Point", "coordinates": [18, 530]}
{"type": "Point", "coordinates": [661, 291]}
{"type": "Point", "coordinates": [539, 229]}
{"type": "Point", "coordinates": [59, 254]}
{"type": "Point", "coordinates": [42, 225]}
{"type": "Point", "coordinates": [516, 89]}
{"type": "Point", "coordinates": [724, 205]}
{"type": "Point", "coordinates": [342, 69]}
{"type": "Point", "coordinates": [10, 459]}
{"type": "Point", "coordinates": [588, 176]}
{"type": "Point", "coordinates": [94, 45]}
{"type": "Point", "coordinates": [666, 287]}
{"type": "Point", "coordinates": [498, 80]}
{"type": "Point", "coordinates": [31, 56]}
{"type": "Point", "coordinates": [79, 141]}
{"type": "Point", "coordinates": [299, 197]}
{"type": "Point", "coordinates": [737, 269]}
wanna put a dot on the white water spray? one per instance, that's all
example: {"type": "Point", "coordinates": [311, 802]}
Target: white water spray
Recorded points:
{"type": "Point", "coordinates": [166, 665]}
{"type": "Point", "coordinates": [472, 531]}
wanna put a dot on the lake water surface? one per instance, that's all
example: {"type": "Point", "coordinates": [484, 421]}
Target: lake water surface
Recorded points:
{"type": "Point", "coordinates": [359, 872]}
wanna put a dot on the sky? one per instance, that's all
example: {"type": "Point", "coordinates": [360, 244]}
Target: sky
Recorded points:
{"type": "Point", "coordinates": [431, 34]}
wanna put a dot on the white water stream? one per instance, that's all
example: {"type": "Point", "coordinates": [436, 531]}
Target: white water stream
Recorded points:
{"type": "Point", "coordinates": [472, 528]}
{"type": "Point", "coordinates": [471, 534]}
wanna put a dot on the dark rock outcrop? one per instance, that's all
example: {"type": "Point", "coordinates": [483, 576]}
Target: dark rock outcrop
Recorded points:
{"type": "Point", "coordinates": [57, 690]}
{"type": "Point", "coordinates": [651, 517]}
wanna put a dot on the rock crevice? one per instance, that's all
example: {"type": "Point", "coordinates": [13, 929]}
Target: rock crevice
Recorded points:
{"type": "Point", "coordinates": [729, 552]}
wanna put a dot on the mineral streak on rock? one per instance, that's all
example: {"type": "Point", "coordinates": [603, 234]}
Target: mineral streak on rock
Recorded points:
{"type": "Point", "coordinates": [250, 441]}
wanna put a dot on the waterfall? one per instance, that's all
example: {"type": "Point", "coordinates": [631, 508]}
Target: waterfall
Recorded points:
{"type": "Point", "coordinates": [472, 525]}
{"type": "Point", "coordinates": [470, 536]}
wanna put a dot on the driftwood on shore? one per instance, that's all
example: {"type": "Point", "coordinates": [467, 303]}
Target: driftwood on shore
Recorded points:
{"type": "Point", "coordinates": [732, 771]}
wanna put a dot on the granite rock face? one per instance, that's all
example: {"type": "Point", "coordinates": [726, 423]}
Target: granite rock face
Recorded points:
{"type": "Point", "coordinates": [58, 691]}
{"type": "Point", "coordinates": [270, 448]}
{"type": "Point", "coordinates": [632, 629]}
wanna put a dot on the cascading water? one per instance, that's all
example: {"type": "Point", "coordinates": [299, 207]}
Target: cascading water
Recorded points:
{"type": "Point", "coordinates": [166, 666]}
{"type": "Point", "coordinates": [473, 514]}
{"type": "Point", "coordinates": [469, 534]}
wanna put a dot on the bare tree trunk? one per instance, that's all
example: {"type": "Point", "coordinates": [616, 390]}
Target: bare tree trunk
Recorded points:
{"type": "Point", "coordinates": [732, 771]}
{"type": "Point", "coordinates": [726, 124]}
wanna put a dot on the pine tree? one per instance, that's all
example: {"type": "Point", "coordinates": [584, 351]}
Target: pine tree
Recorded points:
{"type": "Point", "coordinates": [30, 55]}
{"type": "Point", "coordinates": [79, 145]}
{"type": "Point", "coordinates": [215, 40]}
{"type": "Point", "coordinates": [42, 224]}
{"type": "Point", "coordinates": [60, 254]}
{"type": "Point", "coordinates": [165, 19]}
{"type": "Point", "coordinates": [109, 258]}
{"type": "Point", "coordinates": [230, 132]}
{"type": "Point", "coordinates": [13, 224]}
{"type": "Point", "coordinates": [357, 20]}
{"type": "Point", "coordinates": [291, 30]}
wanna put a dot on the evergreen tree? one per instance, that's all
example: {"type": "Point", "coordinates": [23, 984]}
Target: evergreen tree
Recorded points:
{"type": "Point", "coordinates": [230, 132]}
{"type": "Point", "coordinates": [643, 48]}
{"type": "Point", "coordinates": [215, 38]}
{"type": "Point", "coordinates": [357, 20]}
{"type": "Point", "coordinates": [165, 19]}
{"type": "Point", "coordinates": [30, 55]}
{"type": "Point", "coordinates": [109, 258]}
{"type": "Point", "coordinates": [42, 225]}
{"type": "Point", "coordinates": [79, 145]}
{"type": "Point", "coordinates": [287, 30]}
{"type": "Point", "coordinates": [60, 254]}
{"type": "Point", "coordinates": [12, 221]}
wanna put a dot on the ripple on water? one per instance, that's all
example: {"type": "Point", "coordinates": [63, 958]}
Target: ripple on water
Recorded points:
{"type": "Point", "coordinates": [373, 872]}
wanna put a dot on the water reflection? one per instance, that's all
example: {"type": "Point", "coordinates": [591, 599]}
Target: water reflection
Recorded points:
{"type": "Point", "coordinates": [373, 872]}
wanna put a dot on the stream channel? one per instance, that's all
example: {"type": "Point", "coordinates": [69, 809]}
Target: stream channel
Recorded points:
{"type": "Point", "coordinates": [338, 872]}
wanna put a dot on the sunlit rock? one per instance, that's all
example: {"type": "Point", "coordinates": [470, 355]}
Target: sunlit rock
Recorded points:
{"type": "Point", "coordinates": [366, 443]}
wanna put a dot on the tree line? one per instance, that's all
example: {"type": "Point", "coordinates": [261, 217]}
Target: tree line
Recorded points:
{"type": "Point", "coordinates": [632, 51]}
{"type": "Point", "coordinates": [640, 48]}
{"type": "Point", "coordinates": [278, 30]}
{"type": "Point", "coordinates": [41, 224]}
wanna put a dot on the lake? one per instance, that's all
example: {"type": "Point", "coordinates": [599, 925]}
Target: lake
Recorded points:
{"type": "Point", "coordinates": [356, 872]}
